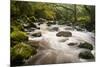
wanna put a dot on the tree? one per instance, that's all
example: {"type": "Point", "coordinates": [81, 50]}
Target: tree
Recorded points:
{"type": "Point", "coordinates": [91, 11]}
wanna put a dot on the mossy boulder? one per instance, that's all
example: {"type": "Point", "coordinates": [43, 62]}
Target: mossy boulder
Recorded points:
{"type": "Point", "coordinates": [18, 36]}
{"type": "Point", "coordinates": [17, 28]}
{"type": "Point", "coordinates": [86, 55]}
{"type": "Point", "coordinates": [64, 34]}
{"type": "Point", "coordinates": [86, 46]}
{"type": "Point", "coordinates": [20, 52]}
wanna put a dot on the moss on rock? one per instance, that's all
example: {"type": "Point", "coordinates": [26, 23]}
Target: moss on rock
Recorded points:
{"type": "Point", "coordinates": [20, 52]}
{"type": "Point", "coordinates": [86, 55]}
{"type": "Point", "coordinates": [86, 46]}
{"type": "Point", "coordinates": [18, 36]}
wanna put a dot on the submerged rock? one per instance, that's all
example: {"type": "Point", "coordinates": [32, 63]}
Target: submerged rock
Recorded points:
{"type": "Point", "coordinates": [68, 28]}
{"type": "Point", "coordinates": [64, 34]}
{"type": "Point", "coordinates": [42, 57]}
{"type": "Point", "coordinates": [34, 44]}
{"type": "Point", "coordinates": [86, 55]}
{"type": "Point", "coordinates": [55, 28]}
{"type": "Point", "coordinates": [63, 40]}
{"type": "Point", "coordinates": [86, 46]}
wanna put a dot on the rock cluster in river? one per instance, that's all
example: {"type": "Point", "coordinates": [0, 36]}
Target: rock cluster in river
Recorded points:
{"type": "Point", "coordinates": [86, 54]}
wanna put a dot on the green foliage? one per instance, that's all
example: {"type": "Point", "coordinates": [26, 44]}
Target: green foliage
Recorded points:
{"type": "Point", "coordinates": [20, 52]}
{"type": "Point", "coordinates": [30, 12]}
{"type": "Point", "coordinates": [18, 36]}
{"type": "Point", "coordinates": [33, 18]}
{"type": "Point", "coordinates": [17, 28]}
{"type": "Point", "coordinates": [61, 22]}
{"type": "Point", "coordinates": [82, 15]}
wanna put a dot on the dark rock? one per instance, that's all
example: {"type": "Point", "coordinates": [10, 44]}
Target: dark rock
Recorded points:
{"type": "Point", "coordinates": [30, 25]}
{"type": "Point", "coordinates": [33, 25]}
{"type": "Point", "coordinates": [72, 44]}
{"type": "Point", "coordinates": [78, 28]}
{"type": "Point", "coordinates": [54, 29]}
{"type": "Point", "coordinates": [48, 24]}
{"type": "Point", "coordinates": [64, 34]}
{"type": "Point", "coordinates": [42, 20]}
{"type": "Point", "coordinates": [51, 23]}
{"type": "Point", "coordinates": [37, 34]}
{"type": "Point", "coordinates": [86, 55]}
{"type": "Point", "coordinates": [29, 29]}
{"type": "Point", "coordinates": [86, 46]}
{"type": "Point", "coordinates": [38, 27]}
{"type": "Point", "coordinates": [69, 28]}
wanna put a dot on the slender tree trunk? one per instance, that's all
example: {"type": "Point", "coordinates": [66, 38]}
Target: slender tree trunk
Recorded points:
{"type": "Point", "coordinates": [75, 13]}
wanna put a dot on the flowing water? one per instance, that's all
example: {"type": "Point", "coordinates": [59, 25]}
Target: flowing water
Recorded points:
{"type": "Point", "coordinates": [54, 49]}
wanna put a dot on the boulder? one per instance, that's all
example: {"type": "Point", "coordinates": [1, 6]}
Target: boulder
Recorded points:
{"type": "Point", "coordinates": [69, 28]}
{"type": "Point", "coordinates": [86, 46]}
{"type": "Point", "coordinates": [64, 34]}
{"type": "Point", "coordinates": [86, 55]}
{"type": "Point", "coordinates": [72, 44]}
{"type": "Point", "coordinates": [29, 26]}
{"type": "Point", "coordinates": [42, 20]}
{"type": "Point", "coordinates": [37, 34]}
{"type": "Point", "coordinates": [18, 36]}
{"type": "Point", "coordinates": [54, 29]}
{"type": "Point", "coordinates": [51, 23]}
{"type": "Point", "coordinates": [20, 52]}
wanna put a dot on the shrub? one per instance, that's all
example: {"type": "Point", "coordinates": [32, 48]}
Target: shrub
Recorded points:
{"type": "Point", "coordinates": [17, 28]}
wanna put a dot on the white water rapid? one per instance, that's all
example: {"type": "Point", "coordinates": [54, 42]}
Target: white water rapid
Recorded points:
{"type": "Point", "coordinates": [54, 49]}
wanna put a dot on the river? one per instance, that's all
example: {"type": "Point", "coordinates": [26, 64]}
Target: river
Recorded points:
{"type": "Point", "coordinates": [54, 49]}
